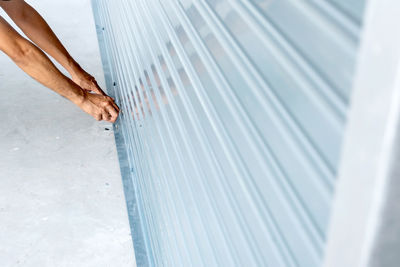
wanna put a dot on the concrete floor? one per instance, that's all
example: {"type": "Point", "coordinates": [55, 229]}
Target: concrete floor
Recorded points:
{"type": "Point", "coordinates": [61, 197]}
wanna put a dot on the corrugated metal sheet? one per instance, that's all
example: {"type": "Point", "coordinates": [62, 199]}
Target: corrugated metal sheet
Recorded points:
{"type": "Point", "coordinates": [232, 115]}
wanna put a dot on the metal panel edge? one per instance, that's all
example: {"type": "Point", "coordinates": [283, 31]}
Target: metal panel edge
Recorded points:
{"type": "Point", "coordinates": [140, 251]}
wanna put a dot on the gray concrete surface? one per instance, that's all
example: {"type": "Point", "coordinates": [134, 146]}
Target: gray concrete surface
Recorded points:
{"type": "Point", "coordinates": [61, 197]}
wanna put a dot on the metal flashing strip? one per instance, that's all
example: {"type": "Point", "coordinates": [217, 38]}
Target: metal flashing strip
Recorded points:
{"type": "Point", "coordinates": [127, 171]}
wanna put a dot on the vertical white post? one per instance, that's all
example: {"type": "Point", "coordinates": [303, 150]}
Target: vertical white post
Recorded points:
{"type": "Point", "coordinates": [365, 226]}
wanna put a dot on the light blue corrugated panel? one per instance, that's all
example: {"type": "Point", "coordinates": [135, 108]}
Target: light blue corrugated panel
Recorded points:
{"type": "Point", "coordinates": [233, 113]}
